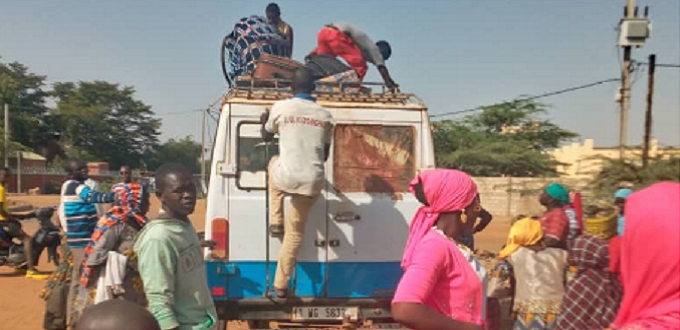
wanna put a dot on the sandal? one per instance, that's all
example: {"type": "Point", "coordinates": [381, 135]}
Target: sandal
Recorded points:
{"type": "Point", "coordinates": [276, 230]}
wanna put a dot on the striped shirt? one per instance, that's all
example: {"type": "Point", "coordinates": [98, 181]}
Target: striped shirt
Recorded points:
{"type": "Point", "coordinates": [78, 213]}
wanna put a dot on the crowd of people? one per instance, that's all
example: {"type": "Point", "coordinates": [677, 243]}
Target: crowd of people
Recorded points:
{"type": "Point", "coordinates": [567, 270]}
{"type": "Point", "coordinates": [121, 255]}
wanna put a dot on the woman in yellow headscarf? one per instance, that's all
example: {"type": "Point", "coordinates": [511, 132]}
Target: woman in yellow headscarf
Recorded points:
{"type": "Point", "coordinates": [524, 232]}
{"type": "Point", "coordinates": [537, 273]}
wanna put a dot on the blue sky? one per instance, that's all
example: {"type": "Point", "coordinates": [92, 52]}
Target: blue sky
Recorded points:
{"type": "Point", "coordinates": [454, 54]}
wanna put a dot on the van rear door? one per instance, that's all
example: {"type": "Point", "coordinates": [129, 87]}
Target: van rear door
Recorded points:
{"type": "Point", "coordinates": [375, 155]}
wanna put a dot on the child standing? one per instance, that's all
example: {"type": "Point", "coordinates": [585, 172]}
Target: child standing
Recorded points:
{"type": "Point", "coordinates": [170, 259]}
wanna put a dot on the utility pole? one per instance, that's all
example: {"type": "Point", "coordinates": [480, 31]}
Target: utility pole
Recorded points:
{"type": "Point", "coordinates": [6, 150]}
{"type": "Point", "coordinates": [625, 85]}
{"type": "Point", "coordinates": [205, 112]}
{"type": "Point", "coordinates": [648, 113]}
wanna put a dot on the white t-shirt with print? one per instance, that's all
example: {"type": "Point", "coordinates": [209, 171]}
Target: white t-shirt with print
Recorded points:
{"type": "Point", "coordinates": [304, 128]}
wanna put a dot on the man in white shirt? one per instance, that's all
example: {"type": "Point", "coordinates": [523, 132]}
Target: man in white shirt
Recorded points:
{"type": "Point", "coordinates": [305, 130]}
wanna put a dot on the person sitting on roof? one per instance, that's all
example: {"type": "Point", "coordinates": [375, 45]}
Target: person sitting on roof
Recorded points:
{"type": "Point", "coordinates": [347, 41]}
{"type": "Point", "coordinates": [251, 37]}
{"type": "Point", "coordinates": [273, 13]}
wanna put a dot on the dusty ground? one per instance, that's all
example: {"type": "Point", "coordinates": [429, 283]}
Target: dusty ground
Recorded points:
{"type": "Point", "coordinates": [21, 309]}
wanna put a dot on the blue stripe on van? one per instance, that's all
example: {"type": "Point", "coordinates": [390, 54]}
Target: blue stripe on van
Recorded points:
{"type": "Point", "coordinates": [347, 279]}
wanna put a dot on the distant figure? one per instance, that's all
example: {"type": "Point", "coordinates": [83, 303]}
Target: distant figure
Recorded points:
{"type": "Point", "coordinates": [117, 315]}
{"type": "Point", "coordinates": [620, 199]}
{"type": "Point", "coordinates": [555, 221]}
{"type": "Point", "coordinates": [125, 178]}
{"type": "Point", "coordinates": [170, 258]}
{"type": "Point", "coordinates": [305, 130]}
{"type": "Point", "coordinates": [274, 18]}
{"type": "Point", "coordinates": [347, 41]}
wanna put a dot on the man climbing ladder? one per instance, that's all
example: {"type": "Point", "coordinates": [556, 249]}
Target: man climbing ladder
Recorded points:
{"type": "Point", "coordinates": [305, 130]}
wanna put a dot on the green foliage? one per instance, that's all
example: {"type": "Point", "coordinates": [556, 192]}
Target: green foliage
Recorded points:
{"type": "Point", "coordinates": [184, 151]}
{"type": "Point", "coordinates": [23, 91]}
{"type": "Point", "coordinates": [616, 173]}
{"type": "Point", "coordinates": [101, 121]}
{"type": "Point", "coordinates": [506, 139]}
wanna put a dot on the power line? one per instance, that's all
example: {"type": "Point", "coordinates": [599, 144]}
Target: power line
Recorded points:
{"type": "Point", "coordinates": [562, 91]}
{"type": "Point", "coordinates": [178, 112]}
{"type": "Point", "coordinates": [660, 65]}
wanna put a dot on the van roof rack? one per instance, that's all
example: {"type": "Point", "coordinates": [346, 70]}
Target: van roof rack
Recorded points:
{"type": "Point", "coordinates": [271, 90]}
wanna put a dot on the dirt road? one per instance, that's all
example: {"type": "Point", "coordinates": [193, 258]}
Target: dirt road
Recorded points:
{"type": "Point", "coordinates": [21, 309]}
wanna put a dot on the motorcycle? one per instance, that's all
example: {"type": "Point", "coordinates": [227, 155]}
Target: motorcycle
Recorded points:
{"type": "Point", "coordinates": [48, 237]}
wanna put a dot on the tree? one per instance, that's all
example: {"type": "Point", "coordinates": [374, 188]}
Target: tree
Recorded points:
{"type": "Point", "coordinates": [616, 173]}
{"type": "Point", "coordinates": [184, 151]}
{"type": "Point", "coordinates": [23, 91]}
{"type": "Point", "coordinates": [100, 121]}
{"type": "Point", "coordinates": [505, 139]}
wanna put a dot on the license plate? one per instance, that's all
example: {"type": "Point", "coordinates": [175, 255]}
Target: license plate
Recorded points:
{"type": "Point", "coordinates": [324, 313]}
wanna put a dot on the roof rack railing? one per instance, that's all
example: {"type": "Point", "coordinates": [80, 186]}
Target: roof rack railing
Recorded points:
{"type": "Point", "coordinates": [280, 83]}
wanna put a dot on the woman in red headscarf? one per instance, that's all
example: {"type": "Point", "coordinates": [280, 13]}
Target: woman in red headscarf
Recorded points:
{"type": "Point", "coordinates": [650, 268]}
{"type": "Point", "coordinates": [443, 286]}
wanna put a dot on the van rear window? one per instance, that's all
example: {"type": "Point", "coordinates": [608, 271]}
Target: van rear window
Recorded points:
{"type": "Point", "coordinates": [373, 158]}
{"type": "Point", "coordinates": [253, 156]}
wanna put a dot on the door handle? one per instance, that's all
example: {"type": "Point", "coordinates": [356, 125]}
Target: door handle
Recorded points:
{"type": "Point", "coordinates": [346, 216]}
{"type": "Point", "coordinates": [334, 243]}
{"type": "Point", "coordinates": [320, 242]}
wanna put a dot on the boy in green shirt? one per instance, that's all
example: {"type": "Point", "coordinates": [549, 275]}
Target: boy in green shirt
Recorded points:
{"type": "Point", "coordinates": [170, 258]}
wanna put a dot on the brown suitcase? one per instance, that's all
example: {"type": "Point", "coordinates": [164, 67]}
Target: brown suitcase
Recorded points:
{"type": "Point", "coordinates": [275, 67]}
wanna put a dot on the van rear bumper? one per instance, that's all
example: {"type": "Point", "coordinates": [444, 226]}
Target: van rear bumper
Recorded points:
{"type": "Point", "coordinates": [281, 309]}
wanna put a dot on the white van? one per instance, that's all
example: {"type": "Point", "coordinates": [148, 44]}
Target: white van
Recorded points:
{"type": "Point", "coordinates": [349, 263]}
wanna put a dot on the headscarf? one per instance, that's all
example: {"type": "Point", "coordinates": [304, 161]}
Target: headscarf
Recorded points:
{"type": "Point", "coordinates": [127, 210]}
{"type": "Point", "coordinates": [445, 191]}
{"type": "Point", "coordinates": [524, 232]}
{"type": "Point", "coordinates": [593, 297]}
{"type": "Point", "coordinates": [650, 259]}
{"type": "Point", "coordinates": [558, 192]}
{"type": "Point", "coordinates": [623, 193]}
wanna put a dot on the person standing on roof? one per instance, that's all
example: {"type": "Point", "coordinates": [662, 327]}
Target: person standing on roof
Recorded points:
{"type": "Point", "coordinates": [273, 13]}
{"type": "Point", "coordinates": [305, 130]}
{"type": "Point", "coordinates": [347, 41]}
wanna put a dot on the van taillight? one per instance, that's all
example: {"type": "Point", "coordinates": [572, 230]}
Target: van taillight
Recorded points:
{"type": "Point", "coordinates": [220, 234]}
{"type": "Point", "coordinates": [219, 291]}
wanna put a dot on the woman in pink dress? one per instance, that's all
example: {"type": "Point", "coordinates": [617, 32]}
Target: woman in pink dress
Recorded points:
{"type": "Point", "coordinates": [443, 286]}
{"type": "Point", "coordinates": [650, 260]}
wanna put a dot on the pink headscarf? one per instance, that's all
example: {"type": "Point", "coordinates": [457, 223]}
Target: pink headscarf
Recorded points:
{"type": "Point", "coordinates": [445, 191]}
{"type": "Point", "coordinates": [650, 259]}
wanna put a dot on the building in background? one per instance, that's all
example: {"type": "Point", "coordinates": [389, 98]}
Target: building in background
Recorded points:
{"type": "Point", "coordinates": [584, 159]}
